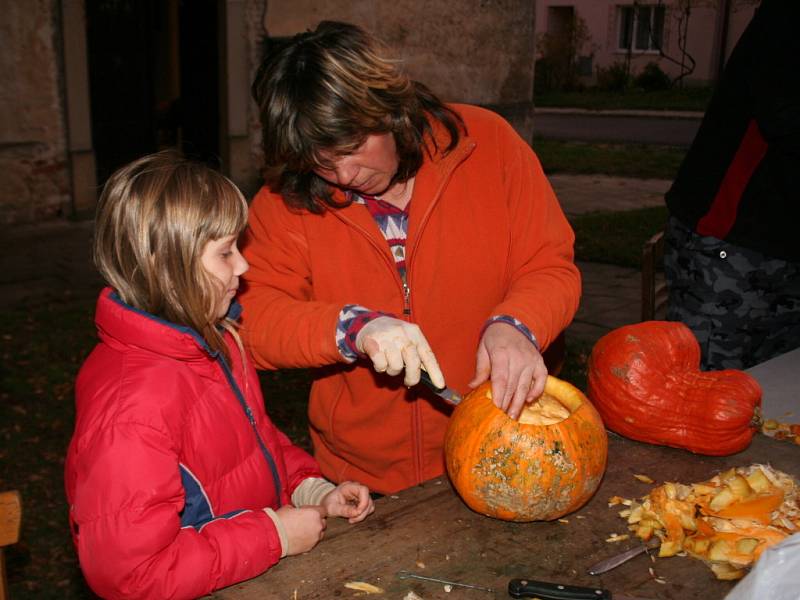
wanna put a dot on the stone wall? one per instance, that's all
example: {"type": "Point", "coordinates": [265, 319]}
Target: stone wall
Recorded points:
{"type": "Point", "coordinates": [473, 51]}
{"type": "Point", "coordinates": [34, 175]}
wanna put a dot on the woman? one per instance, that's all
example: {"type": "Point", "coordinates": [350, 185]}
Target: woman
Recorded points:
{"type": "Point", "coordinates": [396, 233]}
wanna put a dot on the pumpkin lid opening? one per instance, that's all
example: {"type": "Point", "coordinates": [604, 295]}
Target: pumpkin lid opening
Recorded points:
{"type": "Point", "coordinates": [546, 410]}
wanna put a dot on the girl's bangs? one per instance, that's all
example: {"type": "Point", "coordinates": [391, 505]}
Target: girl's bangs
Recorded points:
{"type": "Point", "coordinates": [227, 214]}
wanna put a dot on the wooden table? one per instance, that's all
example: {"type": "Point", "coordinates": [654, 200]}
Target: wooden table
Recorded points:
{"type": "Point", "coordinates": [427, 529]}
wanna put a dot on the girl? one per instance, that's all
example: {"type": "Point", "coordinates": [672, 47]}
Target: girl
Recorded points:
{"type": "Point", "coordinates": [177, 481]}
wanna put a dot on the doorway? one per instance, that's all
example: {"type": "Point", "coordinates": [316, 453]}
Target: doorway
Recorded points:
{"type": "Point", "coordinates": [153, 79]}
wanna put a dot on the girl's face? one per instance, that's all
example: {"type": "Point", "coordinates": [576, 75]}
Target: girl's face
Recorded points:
{"type": "Point", "coordinates": [222, 260]}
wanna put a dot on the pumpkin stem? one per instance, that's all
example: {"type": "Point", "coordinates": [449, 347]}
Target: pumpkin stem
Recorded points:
{"type": "Point", "coordinates": [757, 421]}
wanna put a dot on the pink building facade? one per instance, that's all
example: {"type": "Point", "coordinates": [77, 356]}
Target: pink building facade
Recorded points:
{"type": "Point", "coordinates": [671, 33]}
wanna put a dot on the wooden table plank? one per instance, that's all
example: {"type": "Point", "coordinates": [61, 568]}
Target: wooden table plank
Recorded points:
{"type": "Point", "coordinates": [427, 529]}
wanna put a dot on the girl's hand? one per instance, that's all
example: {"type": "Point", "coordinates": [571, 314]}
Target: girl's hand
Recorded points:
{"type": "Point", "coordinates": [304, 527]}
{"type": "Point", "coordinates": [349, 499]}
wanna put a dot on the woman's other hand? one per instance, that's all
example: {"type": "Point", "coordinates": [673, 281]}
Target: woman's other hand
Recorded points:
{"type": "Point", "coordinates": [516, 367]}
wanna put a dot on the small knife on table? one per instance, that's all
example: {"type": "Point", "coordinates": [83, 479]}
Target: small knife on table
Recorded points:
{"type": "Point", "coordinates": [622, 557]}
{"type": "Point", "coordinates": [447, 394]}
{"type": "Point", "coordinates": [545, 590]}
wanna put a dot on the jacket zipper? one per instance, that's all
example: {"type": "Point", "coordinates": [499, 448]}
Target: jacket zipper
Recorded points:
{"type": "Point", "coordinates": [416, 411]}
{"type": "Point", "coordinates": [251, 419]}
{"type": "Point", "coordinates": [416, 416]}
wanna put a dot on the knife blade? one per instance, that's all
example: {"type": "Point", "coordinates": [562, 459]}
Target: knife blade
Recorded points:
{"type": "Point", "coordinates": [614, 561]}
{"type": "Point", "coordinates": [545, 590]}
{"type": "Point", "coordinates": [447, 394]}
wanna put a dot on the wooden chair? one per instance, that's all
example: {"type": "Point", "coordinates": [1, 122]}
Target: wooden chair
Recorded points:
{"type": "Point", "coordinates": [654, 288]}
{"type": "Point", "coordinates": [10, 520]}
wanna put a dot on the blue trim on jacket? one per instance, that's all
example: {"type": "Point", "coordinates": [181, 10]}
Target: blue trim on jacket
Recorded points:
{"type": "Point", "coordinates": [196, 509]}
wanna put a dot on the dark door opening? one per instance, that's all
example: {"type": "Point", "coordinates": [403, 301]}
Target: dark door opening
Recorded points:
{"type": "Point", "coordinates": [153, 79]}
{"type": "Point", "coordinates": [199, 71]}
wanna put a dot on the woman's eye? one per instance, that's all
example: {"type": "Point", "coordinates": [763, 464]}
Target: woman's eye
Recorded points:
{"type": "Point", "coordinates": [226, 254]}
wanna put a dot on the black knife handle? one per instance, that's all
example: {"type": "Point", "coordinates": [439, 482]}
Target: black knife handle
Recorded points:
{"type": "Point", "coordinates": [528, 588]}
{"type": "Point", "coordinates": [426, 379]}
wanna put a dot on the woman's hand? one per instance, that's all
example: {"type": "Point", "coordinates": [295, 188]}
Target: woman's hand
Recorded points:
{"type": "Point", "coordinates": [516, 367]}
{"type": "Point", "coordinates": [394, 345]}
{"type": "Point", "coordinates": [304, 527]}
{"type": "Point", "coordinates": [349, 499]}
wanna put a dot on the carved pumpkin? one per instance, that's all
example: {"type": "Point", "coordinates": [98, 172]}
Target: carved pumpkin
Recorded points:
{"type": "Point", "coordinates": [645, 381]}
{"type": "Point", "coordinates": [541, 467]}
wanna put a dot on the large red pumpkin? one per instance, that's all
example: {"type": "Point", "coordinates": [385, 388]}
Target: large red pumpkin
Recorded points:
{"type": "Point", "coordinates": [541, 467]}
{"type": "Point", "coordinates": [645, 381]}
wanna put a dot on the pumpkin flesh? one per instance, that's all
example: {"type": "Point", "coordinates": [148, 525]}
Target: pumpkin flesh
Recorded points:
{"type": "Point", "coordinates": [541, 467]}
{"type": "Point", "coordinates": [731, 539]}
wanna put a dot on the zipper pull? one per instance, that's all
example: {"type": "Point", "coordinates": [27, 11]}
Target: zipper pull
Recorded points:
{"type": "Point", "coordinates": [406, 299]}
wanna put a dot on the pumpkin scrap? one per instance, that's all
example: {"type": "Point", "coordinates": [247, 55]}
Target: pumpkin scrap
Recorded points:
{"type": "Point", "coordinates": [541, 467]}
{"type": "Point", "coordinates": [726, 521]}
{"type": "Point", "coordinates": [362, 586]}
{"type": "Point", "coordinates": [781, 431]}
{"type": "Point", "coordinates": [646, 383]}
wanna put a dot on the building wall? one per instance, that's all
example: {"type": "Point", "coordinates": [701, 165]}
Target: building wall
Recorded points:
{"type": "Point", "coordinates": [461, 49]}
{"type": "Point", "coordinates": [601, 18]}
{"type": "Point", "coordinates": [34, 174]}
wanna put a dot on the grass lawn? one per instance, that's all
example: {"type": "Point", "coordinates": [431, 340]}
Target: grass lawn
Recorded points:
{"type": "Point", "coordinates": [616, 238]}
{"type": "Point", "coordinates": [688, 99]}
{"type": "Point", "coordinates": [643, 161]}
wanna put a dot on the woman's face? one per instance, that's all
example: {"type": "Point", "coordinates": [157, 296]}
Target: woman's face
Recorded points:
{"type": "Point", "coordinates": [368, 170]}
{"type": "Point", "coordinates": [222, 260]}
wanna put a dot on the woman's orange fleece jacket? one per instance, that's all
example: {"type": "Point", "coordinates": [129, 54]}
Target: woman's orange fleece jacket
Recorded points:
{"type": "Point", "coordinates": [486, 236]}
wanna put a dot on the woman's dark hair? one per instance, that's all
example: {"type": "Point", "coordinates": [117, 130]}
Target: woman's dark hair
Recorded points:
{"type": "Point", "coordinates": [323, 93]}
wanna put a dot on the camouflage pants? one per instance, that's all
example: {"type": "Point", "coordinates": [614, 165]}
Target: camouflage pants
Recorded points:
{"type": "Point", "coordinates": [742, 306]}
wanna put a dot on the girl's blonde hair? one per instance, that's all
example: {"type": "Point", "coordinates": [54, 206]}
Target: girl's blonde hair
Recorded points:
{"type": "Point", "coordinates": [153, 220]}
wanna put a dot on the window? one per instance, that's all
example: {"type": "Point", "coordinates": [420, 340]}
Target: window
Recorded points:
{"type": "Point", "coordinates": [641, 28]}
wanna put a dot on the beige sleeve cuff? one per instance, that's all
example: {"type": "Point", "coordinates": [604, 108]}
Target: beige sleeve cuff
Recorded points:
{"type": "Point", "coordinates": [281, 530]}
{"type": "Point", "coordinates": [311, 491]}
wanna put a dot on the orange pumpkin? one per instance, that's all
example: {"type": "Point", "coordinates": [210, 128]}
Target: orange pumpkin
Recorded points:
{"type": "Point", "coordinates": [645, 381]}
{"type": "Point", "coordinates": [541, 467]}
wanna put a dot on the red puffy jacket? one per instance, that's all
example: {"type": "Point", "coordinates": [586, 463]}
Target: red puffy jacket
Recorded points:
{"type": "Point", "coordinates": [172, 460]}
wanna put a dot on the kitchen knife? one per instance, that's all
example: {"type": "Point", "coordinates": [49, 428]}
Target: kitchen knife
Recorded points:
{"type": "Point", "coordinates": [447, 394]}
{"type": "Point", "coordinates": [529, 588]}
{"type": "Point", "coordinates": [616, 560]}
{"type": "Point", "coordinates": [544, 590]}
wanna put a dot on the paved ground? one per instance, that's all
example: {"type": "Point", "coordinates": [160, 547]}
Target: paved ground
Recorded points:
{"type": "Point", "coordinates": [642, 127]}
{"type": "Point", "coordinates": [612, 295]}
{"type": "Point", "coordinates": [580, 194]}
{"type": "Point", "coordinates": [49, 261]}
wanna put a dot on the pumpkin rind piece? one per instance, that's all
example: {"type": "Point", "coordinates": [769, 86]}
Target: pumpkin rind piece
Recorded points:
{"type": "Point", "coordinates": [645, 381]}
{"type": "Point", "coordinates": [519, 471]}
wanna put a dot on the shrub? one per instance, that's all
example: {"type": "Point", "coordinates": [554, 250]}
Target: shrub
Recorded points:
{"type": "Point", "coordinates": [614, 78]}
{"type": "Point", "coordinates": [557, 57]}
{"type": "Point", "coordinates": [653, 79]}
